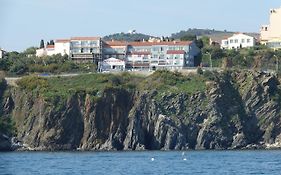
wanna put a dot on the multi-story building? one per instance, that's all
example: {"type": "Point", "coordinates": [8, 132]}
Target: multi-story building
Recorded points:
{"type": "Point", "coordinates": [115, 49]}
{"type": "Point", "coordinates": [271, 34]}
{"type": "Point", "coordinates": [85, 49]}
{"type": "Point", "coordinates": [237, 41]}
{"type": "Point", "coordinates": [150, 55]}
{"type": "Point", "coordinates": [172, 54]}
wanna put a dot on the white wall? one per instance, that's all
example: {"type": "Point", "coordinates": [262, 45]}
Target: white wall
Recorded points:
{"type": "Point", "coordinates": [62, 48]}
{"type": "Point", "coordinates": [237, 41]}
{"type": "Point", "coordinates": [51, 51]}
{"type": "Point", "coordinates": [41, 52]}
{"type": "Point", "coordinates": [1, 53]}
{"type": "Point", "coordinates": [113, 64]}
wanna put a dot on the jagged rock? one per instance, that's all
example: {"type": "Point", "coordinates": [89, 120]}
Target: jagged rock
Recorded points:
{"type": "Point", "coordinates": [237, 110]}
{"type": "Point", "coordinates": [5, 142]}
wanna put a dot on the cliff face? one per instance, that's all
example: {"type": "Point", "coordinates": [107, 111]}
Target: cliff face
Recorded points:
{"type": "Point", "coordinates": [237, 110]}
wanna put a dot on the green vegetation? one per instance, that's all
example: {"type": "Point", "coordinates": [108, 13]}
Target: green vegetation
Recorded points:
{"type": "Point", "coordinates": [198, 32]}
{"type": "Point", "coordinates": [6, 124]}
{"type": "Point", "coordinates": [173, 82]}
{"type": "Point", "coordinates": [258, 57]}
{"type": "Point", "coordinates": [127, 37]}
{"type": "Point", "coordinates": [26, 62]}
{"type": "Point", "coordinates": [60, 89]}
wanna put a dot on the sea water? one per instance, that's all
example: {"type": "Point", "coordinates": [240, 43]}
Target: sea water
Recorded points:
{"type": "Point", "coordinates": [146, 162]}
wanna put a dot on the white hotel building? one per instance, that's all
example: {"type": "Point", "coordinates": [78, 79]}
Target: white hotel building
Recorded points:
{"type": "Point", "coordinates": [137, 55]}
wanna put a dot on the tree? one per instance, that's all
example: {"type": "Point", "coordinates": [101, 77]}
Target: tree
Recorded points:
{"type": "Point", "coordinates": [30, 50]}
{"type": "Point", "coordinates": [52, 42]}
{"type": "Point", "coordinates": [199, 43]}
{"type": "Point", "coordinates": [188, 37]}
{"type": "Point", "coordinates": [42, 44]}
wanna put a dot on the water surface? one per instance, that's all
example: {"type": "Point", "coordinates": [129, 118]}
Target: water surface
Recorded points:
{"type": "Point", "coordinates": [119, 163]}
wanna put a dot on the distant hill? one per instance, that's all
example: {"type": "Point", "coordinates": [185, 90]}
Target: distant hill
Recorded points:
{"type": "Point", "coordinates": [199, 32]}
{"type": "Point", "coordinates": [127, 37]}
{"type": "Point", "coordinates": [211, 33]}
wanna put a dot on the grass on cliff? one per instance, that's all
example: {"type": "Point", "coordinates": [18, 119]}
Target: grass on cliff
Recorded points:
{"type": "Point", "coordinates": [60, 88]}
{"type": "Point", "coordinates": [174, 82]}
{"type": "Point", "coordinates": [63, 87]}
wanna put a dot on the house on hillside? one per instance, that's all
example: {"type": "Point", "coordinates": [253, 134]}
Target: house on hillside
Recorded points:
{"type": "Point", "coordinates": [237, 41]}
{"type": "Point", "coordinates": [215, 40]}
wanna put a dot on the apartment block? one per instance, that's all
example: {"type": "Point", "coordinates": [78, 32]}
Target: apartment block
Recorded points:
{"type": "Point", "coordinates": [137, 55]}
{"type": "Point", "coordinates": [85, 49]}
{"type": "Point", "coordinates": [172, 54]}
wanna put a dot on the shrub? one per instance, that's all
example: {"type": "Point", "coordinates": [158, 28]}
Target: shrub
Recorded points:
{"type": "Point", "coordinates": [199, 71]}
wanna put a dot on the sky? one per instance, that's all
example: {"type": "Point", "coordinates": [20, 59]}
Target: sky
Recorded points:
{"type": "Point", "coordinates": [23, 23]}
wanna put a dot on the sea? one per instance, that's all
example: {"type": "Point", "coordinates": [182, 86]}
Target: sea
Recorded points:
{"type": "Point", "coordinates": [145, 162]}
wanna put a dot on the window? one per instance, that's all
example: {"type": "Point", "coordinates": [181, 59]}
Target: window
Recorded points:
{"type": "Point", "coordinates": [248, 40]}
{"type": "Point", "coordinates": [236, 40]}
{"type": "Point", "coordinates": [243, 40]}
{"type": "Point", "coordinates": [231, 41]}
{"type": "Point", "coordinates": [82, 50]}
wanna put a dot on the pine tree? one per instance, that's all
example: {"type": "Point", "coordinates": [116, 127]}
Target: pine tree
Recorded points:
{"type": "Point", "coordinates": [42, 44]}
{"type": "Point", "coordinates": [52, 42]}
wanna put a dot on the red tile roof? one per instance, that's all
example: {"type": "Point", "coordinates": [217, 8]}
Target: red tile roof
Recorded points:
{"type": "Point", "coordinates": [50, 46]}
{"type": "Point", "coordinates": [62, 40]}
{"type": "Point", "coordinates": [85, 38]}
{"type": "Point", "coordinates": [175, 52]}
{"type": "Point", "coordinates": [115, 43]}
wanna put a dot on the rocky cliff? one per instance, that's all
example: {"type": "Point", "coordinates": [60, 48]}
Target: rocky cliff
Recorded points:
{"type": "Point", "coordinates": [231, 110]}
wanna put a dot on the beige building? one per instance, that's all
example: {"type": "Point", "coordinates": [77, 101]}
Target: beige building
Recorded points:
{"type": "Point", "coordinates": [271, 34]}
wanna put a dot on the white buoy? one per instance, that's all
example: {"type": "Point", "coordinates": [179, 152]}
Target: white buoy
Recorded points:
{"type": "Point", "coordinates": [152, 159]}
{"type": "Point", "coordinates": [184, 159]}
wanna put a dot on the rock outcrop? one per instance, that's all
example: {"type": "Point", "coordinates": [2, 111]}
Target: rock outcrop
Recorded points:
{"type": "Point", "coordinates": [237, 110]}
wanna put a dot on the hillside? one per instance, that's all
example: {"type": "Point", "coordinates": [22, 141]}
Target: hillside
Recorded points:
{"type": "Point", "coordinates": [127, 37]}
{"type": "Point", "coordinates": [214, 34]}
{"type": "Point", "coordinates": [199, 32]}
{"type": "Point", "coordinates": [164, 111]}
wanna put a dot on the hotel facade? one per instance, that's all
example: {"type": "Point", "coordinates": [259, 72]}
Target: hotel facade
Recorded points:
{"type": "Point", "coordinates": [137, 55]}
